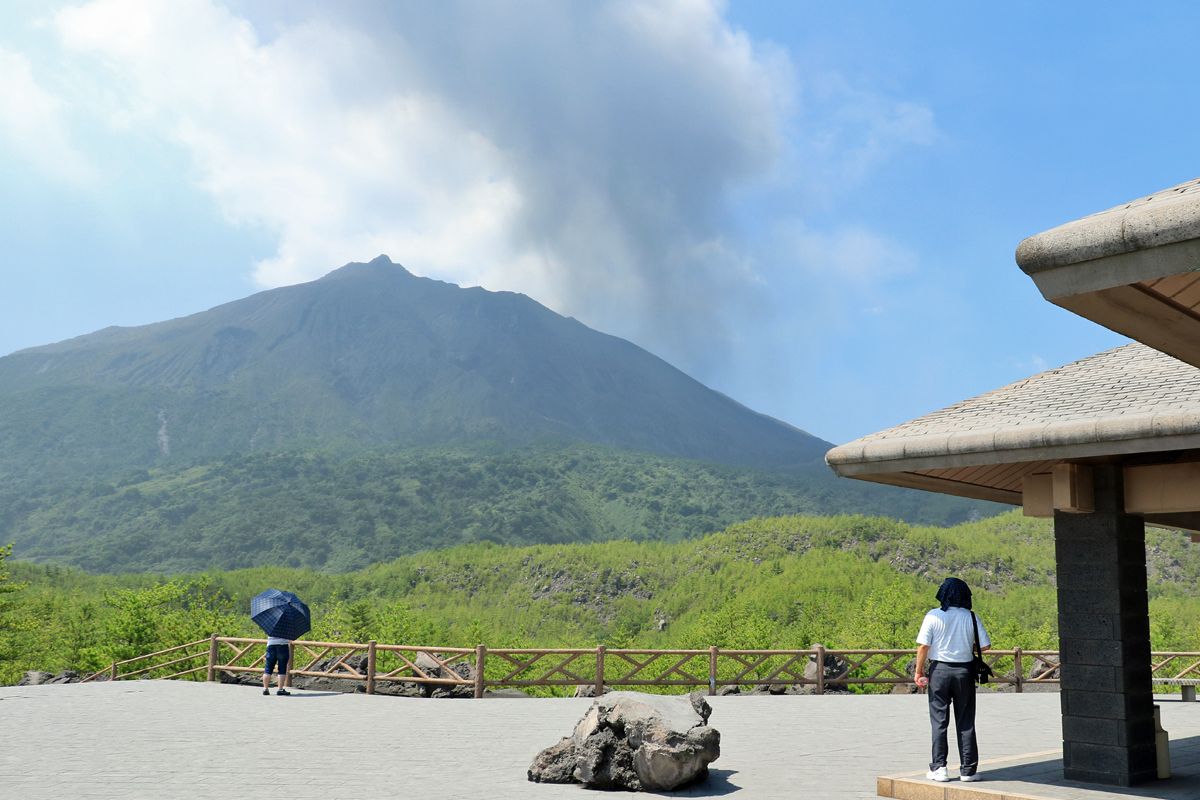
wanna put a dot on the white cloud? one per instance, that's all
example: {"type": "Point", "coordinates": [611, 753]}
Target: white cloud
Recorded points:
{"type": "Point", "coordinates": [845, 132]}
{"type": "Point", "coordinates": [581, 153]}
{"type": "Point", "coordinates": [33, 123]}
{"type": "Point", "coordinates": [298, 136]}
{"type": "Point", "coordinates": [849, 264]}
{"type": "Point", "coordinates": [588, 154]}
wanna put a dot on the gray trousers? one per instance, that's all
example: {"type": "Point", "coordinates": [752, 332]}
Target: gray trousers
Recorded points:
{"type": "Point", "coordinates": [953, 684]}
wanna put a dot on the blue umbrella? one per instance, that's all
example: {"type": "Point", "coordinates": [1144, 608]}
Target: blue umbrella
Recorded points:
{"type": "Point", "coordinates": [281, 614]}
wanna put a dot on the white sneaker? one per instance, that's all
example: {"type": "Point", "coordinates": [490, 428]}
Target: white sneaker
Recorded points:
{"type": "Point", "coordinates": [940, 775]}
{"type": "Point", "coordinates": [970, 778]}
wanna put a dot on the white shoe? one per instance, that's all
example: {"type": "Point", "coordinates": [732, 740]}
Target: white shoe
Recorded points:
{"type": "Point", "coordinates": [940, 775]}
{"type": "Point", "coordinates": [970, 778]}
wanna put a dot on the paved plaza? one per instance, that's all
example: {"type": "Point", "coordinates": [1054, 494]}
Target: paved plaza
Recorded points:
{"type": "Point", "coordinates": [168, 739]}
{"type": "Point", "coordinates": [1039, 776]}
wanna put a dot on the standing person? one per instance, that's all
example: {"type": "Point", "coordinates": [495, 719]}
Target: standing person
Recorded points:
{"type": "Point", "coordinates": [278, 652]}
{"type": "Point", "coordinates": [284, 618]}
{"type": "Point", "coordinates": [947, 640]}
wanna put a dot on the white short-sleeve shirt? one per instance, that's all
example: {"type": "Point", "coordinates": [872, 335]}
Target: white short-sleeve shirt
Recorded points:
{"type": "Point", "coordinates": [950, 635]}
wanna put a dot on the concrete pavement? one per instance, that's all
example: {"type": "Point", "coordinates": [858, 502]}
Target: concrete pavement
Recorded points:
{"type": "Point", "coordinates": [170, 739]}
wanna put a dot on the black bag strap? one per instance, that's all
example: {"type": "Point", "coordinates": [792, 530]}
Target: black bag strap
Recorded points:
{"type": "Point", "coordinates": [975, 625]}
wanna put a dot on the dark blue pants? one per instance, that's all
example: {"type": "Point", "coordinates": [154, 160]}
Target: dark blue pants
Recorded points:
{"type": "Point", "coordinates": [276, 654]}
{"type": "Point", "coordinates": [953, 684]}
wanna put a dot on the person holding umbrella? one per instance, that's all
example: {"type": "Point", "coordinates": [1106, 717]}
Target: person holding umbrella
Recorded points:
{"type": "Point", "coordinates": [283, 617]}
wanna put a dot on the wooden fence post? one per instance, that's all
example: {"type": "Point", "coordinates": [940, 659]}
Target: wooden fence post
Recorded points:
{"type": "Point", "coordinates": [1018, 669]}
{"type": "Point", "coordinates": [820, 648]}
{"type": "Point", "coordinates": [291, 663]}
{"type": "Point", "coordinates": [712, 670]}
{"type": "Point", "coordinates": [480, 660]}
{"type": "Point", "coordinates": [600, 669]}
{"type": "Point", "coordinates": [212, 658]}
{"type": "Point", "coordinates": [371, 667]}
{"type": "Point", "coordinates": [112, 671]}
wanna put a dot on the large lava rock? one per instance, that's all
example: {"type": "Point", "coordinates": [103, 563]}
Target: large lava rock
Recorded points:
{"type": "Point", "coordinates": [834, 667]}
{"type": "Point", "coordinates": [39, 678]}
{"type": "Point", "coordinates": [345, 685]}
{"type": "Point", "coordinates": [634, 741]}
{"type": "Point", "coordinates": [241, 678]}
{"type": "Point", "coordinates": [459, 671]}
{"type": "Point", "coordinates": [35, 677]}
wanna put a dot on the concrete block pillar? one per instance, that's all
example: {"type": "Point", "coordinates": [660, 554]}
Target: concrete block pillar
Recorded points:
{"type": "Point", "coordinates": [1104, 640]}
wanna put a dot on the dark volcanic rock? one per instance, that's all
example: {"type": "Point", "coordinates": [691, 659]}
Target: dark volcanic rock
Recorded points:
{"type": "Point", "coordinates": [602, 762]}
{"type": "Point", "coordinates": [38, 678]}
{"type": "Point", "coordinates": [35, 678]}
{"type": "Point", "coordinates": [433, 669]}
{"type": "Point", "coordinates": [555, 764]}
{"type": "Point", "coordinates": [634, 741]}
{"type": "Point", "coordinates": [398, 689]}
{"type": "Point", "coordinates": [1044, 671]}
{"type": "Point", "coordinates": [241, 678]}
{"type": "Point", "coordinates": [835, 668]}
{"type": "Point", "coordinates": [347, 685]}
{"type": "Point", "coordinates": [910, 669]}
{"type": "Point", "coordinates": [66, 676]}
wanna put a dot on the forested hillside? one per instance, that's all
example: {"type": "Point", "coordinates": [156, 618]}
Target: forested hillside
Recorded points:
{"type": "Point", "coordinates": [317, 510]}
{"type": "Point", "coordinates": [792, 581]}
{"type": "Point", "coordinates": [373, 413]}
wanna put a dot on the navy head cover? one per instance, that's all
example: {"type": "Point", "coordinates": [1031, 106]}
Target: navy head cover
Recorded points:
{"type": "Point", "coordinates": [954, 592]}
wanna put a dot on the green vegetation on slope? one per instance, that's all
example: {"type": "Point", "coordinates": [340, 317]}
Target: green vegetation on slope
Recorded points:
{"type": "Point", "coordinates": [314, 510]}
{"type": "Point", "coordinates": [367, 356]}
{"type": "Point", "coordinates": [846, 581]}
{"type": "Point", "coordinates": [371, 414]}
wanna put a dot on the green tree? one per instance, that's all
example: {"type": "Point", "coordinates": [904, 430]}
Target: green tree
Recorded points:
{"type": "Point", "coordinates": [12, 623]}
{"type": "Point", "coordinates": [360, 621]}
{"type": "Point", "coordinates": [888, 617]}
{"type": "Point", "coordinates": [140, 621]}
{"type": "Point", "coordinates": [7, 584]}
{"type": "Point", "coordinates": [734, 626]}
{"type": "Point", "coordinates": [136, 626]}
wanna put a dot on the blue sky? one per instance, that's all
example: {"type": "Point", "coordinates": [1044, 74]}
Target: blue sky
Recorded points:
{"type": "Point", "coordinates": [809, 206]}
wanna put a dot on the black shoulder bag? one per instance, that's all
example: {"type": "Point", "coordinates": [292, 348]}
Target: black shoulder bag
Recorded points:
{"type": "Point", "coordinates": [983, 673]}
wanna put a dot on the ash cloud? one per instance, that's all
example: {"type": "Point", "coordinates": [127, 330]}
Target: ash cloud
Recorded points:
{"type": "Point", "coordinates": [627, 162]}
{"type": "Point", "coordinates": [626, 128]}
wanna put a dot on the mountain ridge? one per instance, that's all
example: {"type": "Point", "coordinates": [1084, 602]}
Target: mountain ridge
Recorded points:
{"type": "Point", "coordinates": [381, 354]}
{"type": "Point", "coordinates": [372, 413]}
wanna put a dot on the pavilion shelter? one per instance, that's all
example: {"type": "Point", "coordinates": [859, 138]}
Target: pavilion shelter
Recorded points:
{"type": "Point", "coordinates": [1103, 445]}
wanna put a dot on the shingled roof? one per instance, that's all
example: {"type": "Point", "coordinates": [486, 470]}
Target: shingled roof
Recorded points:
{"type": "Point", "coordinates": [1165, 217]}
{"type": "Point", "coordinates": [1132, 399]}
{"type": "Point", "coordinates": [1135, 269]}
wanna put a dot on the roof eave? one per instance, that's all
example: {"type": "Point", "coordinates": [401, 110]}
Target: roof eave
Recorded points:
{"type": "Point", "coordinates": [849, 461]}
{"type": "Point", "coordinates": [929, 483]}
{"type": "Point", "coordinates": [1164, 218]}
{"type": "Point", "coordinates": [1115, 269]}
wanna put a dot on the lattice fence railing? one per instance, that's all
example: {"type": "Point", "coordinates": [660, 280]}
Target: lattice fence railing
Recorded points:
{"type": "Point", "coordinates": [480, 668]}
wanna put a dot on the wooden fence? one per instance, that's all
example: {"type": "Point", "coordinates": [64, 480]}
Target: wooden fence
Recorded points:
{"type": "Point", "coordinates": [481, 668]}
